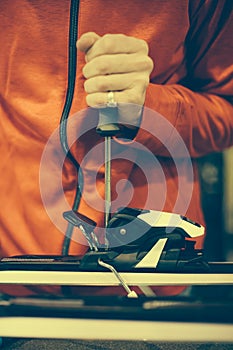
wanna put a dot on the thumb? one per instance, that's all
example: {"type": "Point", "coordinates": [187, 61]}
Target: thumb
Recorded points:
{"type": "Point", "coordinates": [86, 41]}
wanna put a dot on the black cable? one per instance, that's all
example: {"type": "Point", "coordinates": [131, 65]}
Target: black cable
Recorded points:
{"type": "Point", "coordinates": [72, 64]}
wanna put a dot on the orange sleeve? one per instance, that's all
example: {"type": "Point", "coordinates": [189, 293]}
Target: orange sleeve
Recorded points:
{"type": "Point", "coordinates": [200, 106]}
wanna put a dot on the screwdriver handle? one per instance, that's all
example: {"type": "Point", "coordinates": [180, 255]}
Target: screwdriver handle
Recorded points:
{"type": "Point", "coordinates": [107, 125]}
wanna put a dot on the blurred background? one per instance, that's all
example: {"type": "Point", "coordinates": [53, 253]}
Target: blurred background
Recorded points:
{"type": "Point", "coordinates": [216, 173]}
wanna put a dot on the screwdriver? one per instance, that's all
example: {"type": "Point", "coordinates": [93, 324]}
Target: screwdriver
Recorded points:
{"type": "Point", "coordinates": [107, 128]}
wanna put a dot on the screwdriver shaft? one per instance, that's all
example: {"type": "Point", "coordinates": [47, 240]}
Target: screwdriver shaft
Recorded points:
{"type": "Point", "coordinates": [107, 179]}
{"type": "Point", "coordinates": [107, 128]}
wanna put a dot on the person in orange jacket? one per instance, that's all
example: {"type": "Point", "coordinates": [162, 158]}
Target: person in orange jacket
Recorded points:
{"type": "Point", "coordinates": [167, 65]}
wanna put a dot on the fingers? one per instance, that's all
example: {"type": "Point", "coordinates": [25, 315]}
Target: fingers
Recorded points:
{"type": "Point", "coordinates": [115, 82]}
{"type": "Point", "coordinates": [116, 44]}
{"type": "Point", "coordinates": [94, 45]}
{"type": "Point", "coordinates": [120, 63]}
{"type": "Point", "coordinates": [132, 95]}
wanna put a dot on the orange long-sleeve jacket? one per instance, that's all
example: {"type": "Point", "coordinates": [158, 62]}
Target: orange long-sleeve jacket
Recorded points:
{"type": "Point", "coordinates": [188, 113]}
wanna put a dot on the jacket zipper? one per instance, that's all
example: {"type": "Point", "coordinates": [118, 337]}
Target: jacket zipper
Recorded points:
{"type": "Point", "coordinates": [72, 65]}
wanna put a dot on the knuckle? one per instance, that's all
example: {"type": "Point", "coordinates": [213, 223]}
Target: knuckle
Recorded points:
{"type": "Point", "coordinates": [107, 43]}
{"type": "Point", "coordinates": [142, 81]}
{"type": "Point", "coordinates": [149, 64]}
{"type": "Point", "coordinates": [144, 46]}
{"type": "Point", "coordinates": [145, 64]}
{"type": "Point", "coordinates": [96, 84]}
{"type": "Point", "coordinates": [102, 66]}
{"type": "Point", "coordinates": [102, 84]}
{"type": "Point", "coordinates": [120, 36]}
